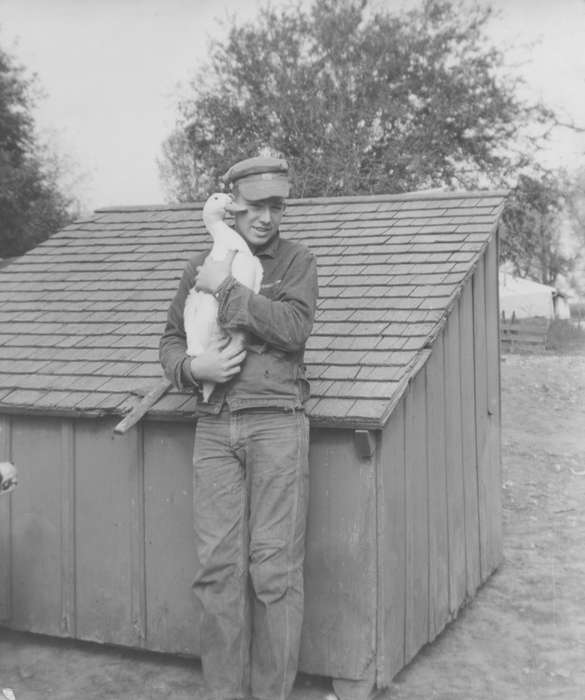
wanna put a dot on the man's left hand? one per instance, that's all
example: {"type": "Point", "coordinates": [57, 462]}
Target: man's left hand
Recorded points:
{"type": "Point", "coordinates": [213, 272]}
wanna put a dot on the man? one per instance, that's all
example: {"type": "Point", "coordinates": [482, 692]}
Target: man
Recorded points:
{"type": "Point", "coordinates": [251, 447]}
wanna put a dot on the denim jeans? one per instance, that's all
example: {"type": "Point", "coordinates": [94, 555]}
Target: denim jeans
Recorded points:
{"type": "Point", "coordinates": [250, 510]}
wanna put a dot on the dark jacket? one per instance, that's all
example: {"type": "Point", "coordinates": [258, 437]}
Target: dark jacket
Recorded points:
{"type": "Point", "coordinates": [278, 321]}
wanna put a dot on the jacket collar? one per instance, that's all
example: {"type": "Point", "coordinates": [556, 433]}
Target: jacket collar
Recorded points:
{"type": "Point", "coordinates": [270, 249]}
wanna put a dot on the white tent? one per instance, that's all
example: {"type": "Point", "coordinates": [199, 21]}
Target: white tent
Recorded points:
{"type": "Point", "coordinates": [524, 298]}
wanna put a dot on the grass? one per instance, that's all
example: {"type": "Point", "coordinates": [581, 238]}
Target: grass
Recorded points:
{"type": "Point", "coordinates": [565, 336]}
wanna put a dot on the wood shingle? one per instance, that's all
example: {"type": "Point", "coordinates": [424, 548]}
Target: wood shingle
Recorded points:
{"type": "Point", "coordinates": [81, 314]}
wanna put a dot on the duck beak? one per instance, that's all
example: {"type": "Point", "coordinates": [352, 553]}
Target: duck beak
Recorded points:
{"type": "Point", "coordinates": [234, 208]}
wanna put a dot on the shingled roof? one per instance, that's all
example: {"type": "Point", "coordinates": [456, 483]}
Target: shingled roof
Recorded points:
{"type": "Point", "coordinates": [81, 314]}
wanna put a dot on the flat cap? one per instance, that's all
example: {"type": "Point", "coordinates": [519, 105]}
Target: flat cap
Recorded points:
{"type": "Point", "coordinates": [259, 178]}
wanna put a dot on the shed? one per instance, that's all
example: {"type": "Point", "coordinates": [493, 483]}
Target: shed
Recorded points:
{"type": "Point", "coordinates": [405, 512]}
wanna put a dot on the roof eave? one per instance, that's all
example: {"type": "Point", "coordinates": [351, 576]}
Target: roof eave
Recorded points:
{"type": "Point", "coordinates": [317, 421]}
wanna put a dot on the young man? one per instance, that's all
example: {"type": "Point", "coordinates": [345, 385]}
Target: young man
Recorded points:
{"type": "Point", "coordinates": [251, 447]}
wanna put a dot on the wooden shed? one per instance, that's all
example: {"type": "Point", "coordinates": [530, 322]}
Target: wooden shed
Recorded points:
{"type": "Point", "coordinates": [404, 522]}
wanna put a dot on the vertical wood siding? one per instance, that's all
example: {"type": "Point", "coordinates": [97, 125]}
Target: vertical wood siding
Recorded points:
{"type": "Point", "coordinates": [494, 550]}
{"type": "Point", "coordinates": [67, 553]}
{"type": "Point", "coordinates": [5, 526]}
{"type": "Point", "coordinates": [454, 462]}
{"type": "Point", "coordinates": [468, 440]}
{"type": "Point", "coordinates": [102, 545]}
{"type": "Point", "coordinates": [340, 571]}
{"type": "Point", "coordinates": [437, 501]}
{"type": "Point", "coordinates": [170, 558]}
{"type": "Point", "coordinates": [105, 553]}
{"type": "Point", "coordinates": [481, 412]}
{"type": "Point", "coordinates": [392, 504]}
{"type": "Point", "coordinates": [417, 520]}
{"type": "Point", "coordinates": [440, 479]}
{"type": "Point", "coordinates": [36, 526]}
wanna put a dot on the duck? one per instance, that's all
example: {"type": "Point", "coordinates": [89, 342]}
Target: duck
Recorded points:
{"type": "Point", "coordinates": [200, 311]}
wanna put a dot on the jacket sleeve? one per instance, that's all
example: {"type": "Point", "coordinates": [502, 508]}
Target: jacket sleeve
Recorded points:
{"type": "Point", "coordinates": [284, 322]}
{"type": "Point", "coordinates": [173, 343]}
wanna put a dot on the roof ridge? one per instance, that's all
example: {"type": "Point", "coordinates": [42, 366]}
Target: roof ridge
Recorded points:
{"type": "Point", "coordinates": [172, 206]}
{"type": "Point", "coordinates": [409, 196]}
{"type": "Point", "coordinates": [342, 199]}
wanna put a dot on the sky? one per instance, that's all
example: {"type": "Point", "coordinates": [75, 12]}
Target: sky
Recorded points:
{"type": "Point", "coordinates": [112, 71]}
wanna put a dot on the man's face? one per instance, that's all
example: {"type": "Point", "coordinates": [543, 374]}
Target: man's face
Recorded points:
{"type": "Point", "coordinates": [259, 223]}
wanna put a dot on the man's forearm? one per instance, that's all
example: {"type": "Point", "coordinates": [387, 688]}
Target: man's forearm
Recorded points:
{"type": "Point", "coordinates": [284, 323]}
{"type": "Point", "coordinates": [175, 361]}
{"type": "Point", "coordinates": [173, 343]}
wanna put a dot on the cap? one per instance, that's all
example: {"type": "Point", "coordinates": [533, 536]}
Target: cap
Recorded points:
{"type": "Point", "coordinates": [259, 178]}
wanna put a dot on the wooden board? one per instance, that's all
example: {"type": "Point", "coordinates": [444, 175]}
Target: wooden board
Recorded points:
{"type": "Point", "coordinates": [173, 619]}
{"type": "Point", "coordinates": [339, 627]}
{"type": "Point", "coordinates": [454, 463]}
{"type": "Point", "coordinates": [36, 525]}
{"type": "Point", "coordinates": [68, 621]}
{"type": "Point", "coordinates": [392, 545]}
{"type": "Point", "coordinates": [417, 525]}
{"type": "Point", "coordinates": [481, 413]}
{"type": "Point", "coordinates": [468, 442]}
{"type": "Point", "coordinates": [516, 334]}
{"type": "Point", "coordinates": [494, 486]}
{"type": "Point", "coordinates": [105, 486]}
{"type": "Point", "coordinates": [5, 528]}
{"type": "Point", "coordinates": [437, 501]}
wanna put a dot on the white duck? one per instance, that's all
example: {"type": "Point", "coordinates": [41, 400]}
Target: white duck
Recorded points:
{"type": "Point", "coordinates": [200, 313]}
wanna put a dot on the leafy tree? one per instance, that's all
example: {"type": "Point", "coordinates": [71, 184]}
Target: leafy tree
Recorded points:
{"type": "Point", "coordinates": [31, 205]}
{"type": "Point", "coordinates": [573, 227]}
{"type": "Point", "coordinates": [532, 229]}
{"type": "Point", "coordinates": [359, 100]}
{"type": "Point", "coordinates": [575, 205]}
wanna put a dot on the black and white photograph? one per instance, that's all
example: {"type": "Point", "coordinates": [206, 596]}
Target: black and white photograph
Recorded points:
{"type": "Point", "coordinates": [292, 350]}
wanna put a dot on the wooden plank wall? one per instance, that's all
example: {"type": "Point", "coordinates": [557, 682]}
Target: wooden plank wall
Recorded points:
{"type": "Point", "coordinates": [5, 527]}
{"type": "Point", "coordinates": [438, 492]}
{"type": "Point", "coordinates": [417, 519]}
{"type": "Point", "coordinates": [68, 559]}
{"type": "Point", "coordinates": [454, 461]}
{"type": "Point", "coordinates": [392, 548]}
{"type": "Point", "coordinates": [494, 553]}
{"type": "Point", "coordinates": [100, 530]}
{"type": "Point", "coordinates": [173, 619]}
{"type": "Point", "coordinates": [36, 526]}
{"type": "Point", "coordinates": [440, 479]}
{"type": "Point", "coordinates": [102, 540]}
{"type": "Point", "coordinates": [105, 486]}
{"type": "Point", "coordinates": [468, 440]}
{"type": "Point", "coordinates": [339, 627]}
{"type": "Point", "coordinates": [481, 412]}
{"type": "Point", "coordinates": [73, 533]}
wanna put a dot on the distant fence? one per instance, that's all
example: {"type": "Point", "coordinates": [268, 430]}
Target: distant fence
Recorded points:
{"type": "Point", "coordinates": [528, 334]}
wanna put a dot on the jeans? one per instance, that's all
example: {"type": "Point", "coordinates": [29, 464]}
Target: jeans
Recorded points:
{"type": "Point", "coordinates": [250, 510]}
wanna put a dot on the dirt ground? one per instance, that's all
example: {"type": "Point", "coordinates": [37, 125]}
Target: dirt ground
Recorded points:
{"type": "Point", "coordinates": [523, 636]}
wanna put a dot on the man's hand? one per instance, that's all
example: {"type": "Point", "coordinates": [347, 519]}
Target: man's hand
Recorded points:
{"type": "Point", "coordinates": [213, 272]}
{"type": "Point", "coordinates": [219, 363]}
